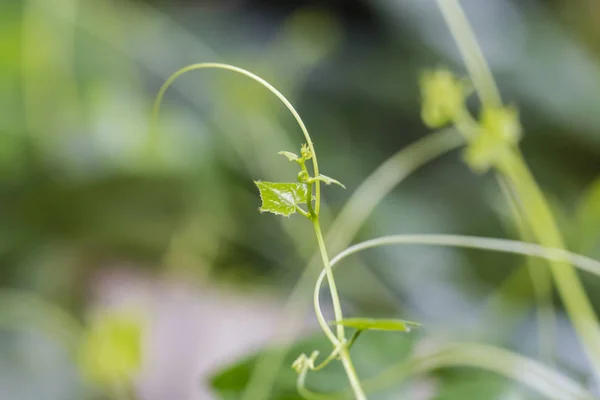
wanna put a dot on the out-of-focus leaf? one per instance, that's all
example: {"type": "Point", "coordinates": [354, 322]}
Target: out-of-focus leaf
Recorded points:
{"type": "Point", "coordinates": [328, 181]}
{"type": "Point", "coordinates": [363, 324]}
{"type": "Point", "coordinates": [481, 386]}
{"type": "Point", "coordinates": [290, 156]}
{"type": "Point", "coordinates": [281, 198]}
{"type": "Point", "coordinates": [588, 218]}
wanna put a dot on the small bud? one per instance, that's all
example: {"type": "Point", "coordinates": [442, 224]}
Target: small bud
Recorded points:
{"type": "Point", "coordinates": [502, 123]}
{"type": "Point", "coordinates": [305, 152]}
{"type": "Point", "coordinates": [500, 132]}
{"type": "Point", "coordinates": [443, 97]}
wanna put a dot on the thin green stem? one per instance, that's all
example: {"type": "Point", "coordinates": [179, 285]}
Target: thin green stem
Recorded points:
{"type": "Point", "coordinates": [312, 213]}
{"type": "Point", "coordinates": [157, 103]}
{"type": "Point", "coordinates": [353, 338]}
{"type": "Point", "coordinates": [335, 353]}
{"type": "Point", "coordinates": [359, 392]}
{"type": "Point", "coordinates": [473, 242]}
{"type": "Point", "coordinates": [464, 37]}
{"type": "Point", "coordinates": [540, 278]}
{"type": "Point", "coordinates": [322, 321]}
{"type": "Point", "coordinates": [539, 217]}
{"type": "Point", "coordinates": [303, 212]}
{"type": "Point", "coordinates": [337, 309]}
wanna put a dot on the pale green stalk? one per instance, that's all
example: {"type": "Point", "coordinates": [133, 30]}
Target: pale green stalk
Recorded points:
{"type": "Point", "coordinates": [535, 208]}
{"type": "Point", "coordinates": [337, 309]}
{"type": "Point", "coordinates": [537, 213]}
{"type": "Point", "coordinates": [549, 383]}
{"type": "Point", "coordinates": [472, 242]}
{"type": "Point", "coordinates": [475, 242]}
{"type": "Point", "coordinates": [344, 353]}
{"type": "Point", "coordinates": [541, 281]}
{"type": "Point", "coordinates": [477, 67]}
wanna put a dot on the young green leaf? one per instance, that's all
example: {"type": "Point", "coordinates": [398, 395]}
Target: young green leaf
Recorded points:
{"type": "Point", "coordinates": [363, 324]}
{"type": "Point", "coordinates": [281, 198]}
{"type": "Point", "coordinates": [290, 156]}
{"type": "Point", "coordinates": [328, 181]}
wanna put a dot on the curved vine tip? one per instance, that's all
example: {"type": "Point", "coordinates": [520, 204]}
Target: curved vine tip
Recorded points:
{"type": "Point", "coordinates": [303, 362]}
{"type": "Point", "coordinates": [227, 67]}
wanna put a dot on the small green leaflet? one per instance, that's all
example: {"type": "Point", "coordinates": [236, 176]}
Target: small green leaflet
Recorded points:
{"type": "Point", "coordinates": [281, 198]}
{"type": "Point", "coordinates": [290, 156]}
{"type": "Point", "coordinates": [328, 181]}
{"type": "Point", "coordinates": [363, 324]}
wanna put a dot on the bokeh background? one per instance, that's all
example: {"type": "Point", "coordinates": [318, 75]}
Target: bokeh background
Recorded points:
{"type": "Point", "coordinates": [89, 221]}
